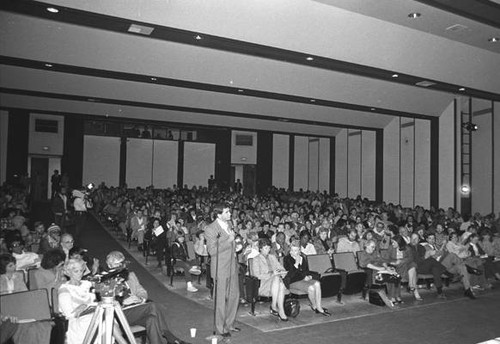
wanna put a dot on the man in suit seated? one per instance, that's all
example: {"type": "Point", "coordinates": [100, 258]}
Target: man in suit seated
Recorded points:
{"type": "Point", "coordinates": [151, 315]}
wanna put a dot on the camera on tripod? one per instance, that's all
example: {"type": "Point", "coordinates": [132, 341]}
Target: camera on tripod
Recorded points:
{"type": "Point", "coordinates": [112, 284]}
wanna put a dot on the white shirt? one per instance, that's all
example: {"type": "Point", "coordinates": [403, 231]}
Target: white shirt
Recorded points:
{"type": "Point", "coordinates": [79, 204]}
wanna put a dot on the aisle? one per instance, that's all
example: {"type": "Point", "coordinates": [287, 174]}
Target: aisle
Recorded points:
{"type": "Point", "coordinates": [184, 312]}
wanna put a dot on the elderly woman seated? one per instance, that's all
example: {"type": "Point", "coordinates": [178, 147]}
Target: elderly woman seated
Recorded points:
{"type": "Point", "coordinates": [299, 277]}
{"type": "Point", "coordinates": [269, 271]}
{"type": "Point", "coordinates": [76, 300]}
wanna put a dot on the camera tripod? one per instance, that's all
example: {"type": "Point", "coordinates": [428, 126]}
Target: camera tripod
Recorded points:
{"type": "Point", "coordinates": [103, 322]}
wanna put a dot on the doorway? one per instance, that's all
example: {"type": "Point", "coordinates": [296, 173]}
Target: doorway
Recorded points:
{"type": "Point", "coordinates": [246, 174]}
{"type": "Point", "coordinates": [39, 178]}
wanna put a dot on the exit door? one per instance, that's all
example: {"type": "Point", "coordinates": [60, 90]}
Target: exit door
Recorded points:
{"type": "Point", "coordinates": [39, 178]}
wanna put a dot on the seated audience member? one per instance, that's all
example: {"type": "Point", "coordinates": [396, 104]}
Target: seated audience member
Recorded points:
{"type": "Point", "coordinates": [451, 262]}
{"type": "Point", "coordinates": [266, 231]}
{"type": "Point", "coordinates": [490, 244]}
{"type": "Point", "coordinates": [251, 250]}
{"type": "Point", "coordinates": [67, 243]}
{"type": "Point", "coordinates": [367, 237]}
{"type": "Point", "coordinates": [153, 316]}
{"type": "Point", "coordinates": [491, 268]}
{"type": "Point", "coordinates": [92, 264]}
{"type": "Point", "coordinates": [371, 259]}
{"type": "Point", "coordinates": [51, 240]}
{"type": "Point", "coordinates": [305, 246]}
{"type": "Point", "coordinates": [349, 243]}
{"type": "Point", "coordinates": [399, 256]}
{"type": "Point", "coordinates": [11, 281]}
{"type": "Point", "coordinates": [75, 297]}
{"type": "Point", "coordinates": [270, 273]}
{"type": "Point", "coordinates": [179, 253]}
{"type": "Point", "coordinates": [279, 247]}
{"type": "Point", "coordinates": [24, 259]}
{"type": "Point", "coordinates": [322, 244]}
{"type": "Point", "coordinates": [299, 277]}
{"type": "Point", "coordinates": [138, 225]}
{"type": "Point", "coordinates": [200, 245]}
{"type": "Point", "coordinates": [50, 275]}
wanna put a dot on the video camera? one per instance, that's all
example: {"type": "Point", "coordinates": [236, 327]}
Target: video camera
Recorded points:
{"type": "Point", "coordinates": [112, 283]}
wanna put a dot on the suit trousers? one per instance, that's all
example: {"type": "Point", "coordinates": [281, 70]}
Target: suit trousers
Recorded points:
{"type": "Point", "coordinates": [228, 296]}
{"type": "Point", "coordinates": [153, 317]}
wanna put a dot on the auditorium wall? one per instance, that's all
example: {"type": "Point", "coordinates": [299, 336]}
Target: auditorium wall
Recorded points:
{"type": "Point", "coordinates": [4, 126]}
{"type": "Point", "coordinates": [407, 162]}
{"type": "Point", "coordinates": [496, 157]}
{"type": "Point", "coordinates": [281, 160]}
{"type": "Point", "coordinates": [355, 153]}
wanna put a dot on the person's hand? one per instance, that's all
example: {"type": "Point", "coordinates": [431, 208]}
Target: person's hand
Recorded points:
{"type": "Point", "coordinates": [308, 278]}
{"type": "Point", "coordinates": [10, 318]}
{"type": "Point", "coordinates": [132, 299]}
{"type": "Point", "coordinates": [78, 310]}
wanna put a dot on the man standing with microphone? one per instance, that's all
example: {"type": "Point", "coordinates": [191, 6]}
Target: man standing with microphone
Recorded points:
{"type": "Point", "coordinates": [224, 269]}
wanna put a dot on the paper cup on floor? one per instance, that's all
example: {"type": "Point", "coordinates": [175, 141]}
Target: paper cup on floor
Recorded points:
{"type": "Point", "coordinates": [193, 332]}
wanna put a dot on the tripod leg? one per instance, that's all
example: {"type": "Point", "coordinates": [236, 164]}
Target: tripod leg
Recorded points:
{"type": "Point", "coordinates": [108, 325]}
{"type": "Point", "coordinates": [123, 321]}
{"type": "Point", "coordinates": [94, 324]}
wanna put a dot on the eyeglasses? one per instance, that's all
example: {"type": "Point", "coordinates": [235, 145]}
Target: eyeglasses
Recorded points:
{"type": "Point", "coordinates": [68, 242]}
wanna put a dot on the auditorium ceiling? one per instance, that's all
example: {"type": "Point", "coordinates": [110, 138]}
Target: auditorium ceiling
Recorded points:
{"type": "Point", "coordinates": [302, 66]}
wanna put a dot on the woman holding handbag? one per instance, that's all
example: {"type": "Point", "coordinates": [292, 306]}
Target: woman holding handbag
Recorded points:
{"type": "Point", "coordinates": [299, 277]}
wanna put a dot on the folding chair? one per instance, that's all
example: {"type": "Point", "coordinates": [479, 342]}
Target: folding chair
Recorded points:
{"type": "Point", "coordinates": [353, 278]}
{"type": "Point", "coordinates": [330, 280]}
{"type": "Point", "coordinates": [27, 305]}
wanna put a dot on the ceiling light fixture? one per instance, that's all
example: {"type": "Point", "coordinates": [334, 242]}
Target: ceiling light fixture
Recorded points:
{"type": "Point", "coordinates": [309, 58]}
{"type": "Point", "coordinates": [373, 109]}
{"type": "Point", "coordinates": [240, 90]}
{"type": "Point", "coordinates": [313, 100]}
{"type": "Point", "coordinates": [52, 10]}
{"type": "Point", "coordinates": [154, 79]}
{"type": "Point", "coordinates": [140, 29]}
{"type": "Point", "coordinates": [198, 37]}
{"type": "Point", "coordinates": [48, 65]}
{"type": "Point", "coordinates": [461, 89]}
{"type": "Point", "coordinates": [414, 15]}
{"type": "Point", "coordinates": [494, 39]}
{"type": "Point", "coordinates": [395, 75]}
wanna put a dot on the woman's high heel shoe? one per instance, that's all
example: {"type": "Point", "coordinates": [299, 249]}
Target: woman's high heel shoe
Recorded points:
{"type": "Point", "coordinates": [273, 312]}
{"type": "Point", "coordinates": [324, 313]}
{"type": "Point", "coordinates": [416, 294]}
{"type": "Point", "coordinates": [282, 319]}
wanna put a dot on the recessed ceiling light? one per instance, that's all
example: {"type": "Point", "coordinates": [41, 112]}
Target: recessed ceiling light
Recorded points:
{"type": "Point", "coordinates": [240, 90]}
{"type": "Point", "coordinates": [461, 89]}
{"type": "Point", "coordinates": [52, 10]}
{"type": "Point", "coordinates": [48, 65]}
{"type": "Point", "coordinates": [153, 79]}
{"type": "Point", "coordinates": [395, 75]}
{"type": "Point", "coordinates": [313, 100]}
{"type": "Point", "coordinates": [140, 29]}
{"type": "Point", "coordinates": [309, 58]}
{"type": "Point", "coordinates": [414, 15]}
{"type": "Point", "coordinates": [198, 37]}
{"type": "Point", "coordinates": [494, 40]}
{"type": "Point", "coordinates": [373, 109]}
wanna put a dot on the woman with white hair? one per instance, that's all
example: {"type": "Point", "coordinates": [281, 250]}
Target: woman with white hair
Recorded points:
{"type": "Point", "coordinates": [76, 300]}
